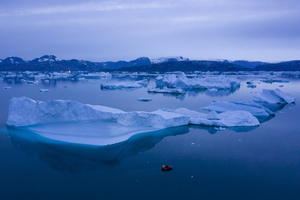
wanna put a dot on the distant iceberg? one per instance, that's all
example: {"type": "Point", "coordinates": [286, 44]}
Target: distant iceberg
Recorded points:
{"type": "Point", "coordinates": [274, 96]}
{"type": "Point", "coordinates": [166, 90]}
{"type": "Point", "coordinates": [123, 85]}
{"type": "Point", "coordinates": [181, 81]}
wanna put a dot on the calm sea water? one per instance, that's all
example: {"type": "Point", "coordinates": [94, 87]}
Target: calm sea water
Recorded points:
{"type": "Point", "coordinates": [257, 163]}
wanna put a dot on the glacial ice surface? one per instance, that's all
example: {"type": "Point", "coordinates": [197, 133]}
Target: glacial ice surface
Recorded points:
{"type": "Point", "coordinates": [274, 97]}
{"type": "Point", "coordinates": [181, 81]}
{"type": "Point", "coordinates": [24, 111]}
{"type": "Point", "coordinates": [250, 106]}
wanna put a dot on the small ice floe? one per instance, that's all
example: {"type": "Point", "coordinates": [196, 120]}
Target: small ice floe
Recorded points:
{"type": "Point", "coordinates": [44, 90]}
{"type": "Point", "coordinates": [32, 82]}
{"type": "Point", "coordinates": [166, 90]}
{"type": "Point", "coordinates": [120, 85]}
{"type": "Point", "coordinates": [220, 128]}
{"type": "Point", "coordinates": [213, 90]}
{"type": "Point", "coordinates": [46, 81]}
{"type": "Point", "coordinates": [270, 80]}
{"type": "Point", "coordinates": [144, 99]}
{"type": "Point", "coordinates": [7, 88]}
{"type": "Point", "coordinates": [280, 85]}
{"type": "Point", "coordinates": [273, 96]}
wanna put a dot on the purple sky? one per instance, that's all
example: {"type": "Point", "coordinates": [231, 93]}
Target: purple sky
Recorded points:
{"type": "Point", "coordinates": [266, 30]}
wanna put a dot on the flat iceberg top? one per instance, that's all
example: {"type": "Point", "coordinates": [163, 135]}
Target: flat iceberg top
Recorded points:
{"type": "Point", "coordinates": [250, 106]}
{"type": "Point", "coordinates": [24, 112]}
{"type": "Point", "coordinates": [181, 81]}
{"type": "Point", "coordinates": [273, 96]}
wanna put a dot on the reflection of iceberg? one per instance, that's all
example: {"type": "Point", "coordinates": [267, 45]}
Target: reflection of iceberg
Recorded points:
{"type": "Point", "coordinates": [75, 158]}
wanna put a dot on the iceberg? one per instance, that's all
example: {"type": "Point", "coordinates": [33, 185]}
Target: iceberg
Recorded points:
{"type": "Point", "coordinates": [181, 81]}
{"type": "Point", "coordinates": [166, 90]}
{"type": "Point", "coordinates": [44, 90]}
{"type": "Point", "coordinates": [274, 97]}
{"type": "Point", "coordinates": [120, 85]}
{"type": "Point", "coordinates": [66, 111]}
{"type": "Point", "coordinates": [225, 119]}
{"type": "Point", "coordinates": [255, 109]}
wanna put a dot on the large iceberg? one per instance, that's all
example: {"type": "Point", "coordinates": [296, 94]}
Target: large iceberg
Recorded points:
{"type": "Point", "coordinates": [273, 96]}
{"type": "Point", "coordinates": [26, 112]}
{"type": "Point", "coordinates": [250, 106]}
{"type": "Point", "coordinates": [181, 81]}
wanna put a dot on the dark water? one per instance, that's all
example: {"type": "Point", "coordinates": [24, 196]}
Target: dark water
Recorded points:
{"type": "Point", "coordinates": [245, 163]}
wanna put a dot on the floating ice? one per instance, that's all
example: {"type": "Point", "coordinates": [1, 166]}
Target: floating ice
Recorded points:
{"type": "Point", "coordinates": [44, 90]}
{"type": "Point", "coordinates": [274, 96]}
{"type": "Point", "coordinates": [166, 90]}
{"type": "Point", "coordinates": [7, 88]}
{"type": "Point", "coordinates": [120, 85]}
{"type": "Point", "coordinates": [25, 112]}
{"type": "Point", "coordinates": [225, 119]}
{"type": "Point", "coordinates": [181, 81]}
{"type": "Point", "coordinates": [250, 106]}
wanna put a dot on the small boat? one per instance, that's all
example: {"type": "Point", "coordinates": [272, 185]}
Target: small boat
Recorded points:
{"type": "Point", "coordinates": [166, 168]}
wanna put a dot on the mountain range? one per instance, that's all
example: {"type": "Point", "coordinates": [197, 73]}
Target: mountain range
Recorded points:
{"type": "Point", "coordinates": [143, 64]}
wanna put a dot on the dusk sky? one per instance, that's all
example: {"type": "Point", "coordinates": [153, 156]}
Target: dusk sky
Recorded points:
{"type": "Point", "coordinates": [265, 30]}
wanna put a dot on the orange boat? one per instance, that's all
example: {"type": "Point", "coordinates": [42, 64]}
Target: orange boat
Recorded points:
{"type": "Point", "coordinates": [166, 168]}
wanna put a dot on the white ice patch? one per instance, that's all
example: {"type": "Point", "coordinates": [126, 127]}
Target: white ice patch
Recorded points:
{"type": "Point", "coordinates": [250, 106]}
{"type": "Point", "coordinates": [166, 90]}
{"type": "Point", "coordinates": [274, 96]}
{"type": "Point", "coordinates": [123, 85]}
{"type": "Point", "coordinates": [181, 81]}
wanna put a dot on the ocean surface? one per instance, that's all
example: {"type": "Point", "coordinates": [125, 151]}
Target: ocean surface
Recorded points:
{"type": "Point", "coordinates": [261, 162]}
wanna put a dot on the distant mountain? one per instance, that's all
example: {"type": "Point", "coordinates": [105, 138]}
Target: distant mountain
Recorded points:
{"type": "Point", "coordinates": [46, 58]}
{"type": "Point", "coordinates": [168, 59]}
{"type": "Point", "coordinates": [249, 64]}
{"type": "Point", "coordinates": [12, 60]}
{"type": "Point", "coordinates": [120, 64]}
{"type": "Point", "coordinates": [187, 66]}
{"type": "Point", "coordinates": [282, 66]}
{"type": "Point", "coordinates": [143, 64]}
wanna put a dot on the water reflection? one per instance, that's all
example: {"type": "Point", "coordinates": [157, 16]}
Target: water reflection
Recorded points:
{"type": "Point", "coordinates": [72, 157]}
{"type": "Point", "coordinates": [62, 156]}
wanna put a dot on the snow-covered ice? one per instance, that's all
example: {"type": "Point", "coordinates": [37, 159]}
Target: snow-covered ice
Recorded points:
{"type": "Point", "coordinates": [181, 81]}
{"type": "Point", "coordinates": [250, 106]}
{"type": "Point", "coordinates": [273, 96]}
{"type": "Point", "coordinates": [120, 85]}
{"type": "Point", "coordinates": [166, 90]}
{"type": "Point", "coordinates": [62, 111]}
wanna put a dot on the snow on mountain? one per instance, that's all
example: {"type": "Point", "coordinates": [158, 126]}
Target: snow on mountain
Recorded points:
{"type": "Point", "coordinates": [168, 59]}
{"type": "Point", "coordinates": [46, 58]}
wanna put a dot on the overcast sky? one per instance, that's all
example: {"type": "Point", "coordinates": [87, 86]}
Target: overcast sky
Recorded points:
{"type": "Point", "coordinates": [266, 30]}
